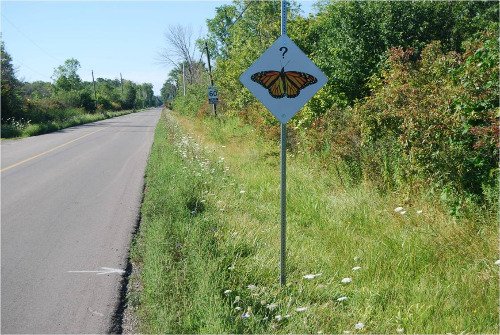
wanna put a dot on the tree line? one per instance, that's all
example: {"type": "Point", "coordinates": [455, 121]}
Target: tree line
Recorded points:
{"type": "Point", "coordinates": [66, 96]}
{"type": "Point", "coordinates": [412, 98]}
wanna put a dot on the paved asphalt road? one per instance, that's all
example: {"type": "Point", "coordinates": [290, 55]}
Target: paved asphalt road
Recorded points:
{"type": "Point", "coordinates": [70, 202]}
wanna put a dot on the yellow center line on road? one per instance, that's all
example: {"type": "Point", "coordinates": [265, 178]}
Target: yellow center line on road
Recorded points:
{"type": "Point", "coordinates": [48, 151]}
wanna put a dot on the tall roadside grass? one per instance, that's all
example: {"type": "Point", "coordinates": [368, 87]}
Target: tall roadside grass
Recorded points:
{"type": "Point", "coordinates": [207, 252]}
{"type": "Point", "coordinates": [66, 118]}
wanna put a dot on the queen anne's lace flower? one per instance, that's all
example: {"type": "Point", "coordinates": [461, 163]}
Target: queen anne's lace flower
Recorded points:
{"type": "Point", "coordinates": [359, 325]}
{"type": "Point", "coordinates": [346, 280]}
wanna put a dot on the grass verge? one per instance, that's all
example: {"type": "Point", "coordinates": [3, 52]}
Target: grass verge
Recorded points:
{"type": "Point", "coordinates": [18, 130]}
{"type": "Point", "coordinates": [208, 246]}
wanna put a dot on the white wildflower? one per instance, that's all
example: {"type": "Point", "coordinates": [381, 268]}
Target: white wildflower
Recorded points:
{"type": "Point", "coordinates": [251, 287]}
{"type": "Point", "coordinates": [287, 316]}
{"type": "Point", "coordinates": [400, 330]}
{"type": "Point", "coordinates": [359, 325]}
{"type": "Point", "coordinates": [278, 317]}
{"type": "Point", "coordinates": [356, 268]}
{"type": "Point", "coordinates": [242, 191]}
{"type": "Point", "coordinates": [402, 212]}
{"type": "Point", "coordinates": [231, 268]}
{"type": "Point", "coordinates": [272, 306]}
{"type": "Point", "coordinates": [238, 308]}
{"type": "Point", "coordinates": [343, 298]}
{"type": "Point", "coordinates": [301, 309]}
{"type": "Point", "coordinates": [312, 276]}
{"type": "Point", "coordinates": [497, 262]}
{"type": "Point", "coordinates": [398, 209]}
{"type": "Point", "coordinates": [418, 212]}
{"type": "Point", "coordinates": [226, 292]}
{"type": "Point", "coordinates": [346, 280]}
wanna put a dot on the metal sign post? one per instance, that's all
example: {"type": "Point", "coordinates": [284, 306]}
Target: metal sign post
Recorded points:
{"type": "Point", "coordinates": [283, 173]}
{"type": "Point", "coordinates": [283, 78]}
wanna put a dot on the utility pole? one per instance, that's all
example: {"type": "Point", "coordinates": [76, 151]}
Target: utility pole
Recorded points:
{"type": "Point", "coordinates": [183, 79]}
{"type": "Point", "coordinates": [214, 106]}
{"type": "Point", "coordinates": [121, 81]}
{"type": "Point", "coordinates": [95, 93]}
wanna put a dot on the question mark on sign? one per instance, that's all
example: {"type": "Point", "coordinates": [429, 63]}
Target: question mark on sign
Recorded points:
{"type": "Point", "coordinates": [284, 52]}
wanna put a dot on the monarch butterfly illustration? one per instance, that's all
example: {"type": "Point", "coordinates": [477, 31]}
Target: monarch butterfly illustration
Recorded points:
{"type": "Point", "coordinates": [283, 83]}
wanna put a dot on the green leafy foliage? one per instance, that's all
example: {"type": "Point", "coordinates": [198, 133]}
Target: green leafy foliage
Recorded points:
{"type": "Point", "coordinates": [412, 97]}
{"type": "Point", "coordinates": [168, 91]}
{"type": "Point", "coordinates": [66, 77]}
{"type": "Point", "coordinates": [11, 88]}
{"type": "Point", "coordinates": [191, 103]}
{"type": "Point", "coordinates": [429, 123]}
{"type": "Point", "coordinates": [38, 107]}
{"type": "Point", "coordinates": [353, 37]}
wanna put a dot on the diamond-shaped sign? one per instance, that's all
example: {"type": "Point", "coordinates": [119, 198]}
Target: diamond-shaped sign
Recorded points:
{"type": "Point", "coordinates": [283, 79]}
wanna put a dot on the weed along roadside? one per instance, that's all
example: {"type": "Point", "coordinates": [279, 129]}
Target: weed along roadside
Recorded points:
{"type": "Point", "coordinates": [207, 253]}
{"type": "Point", "coordinates": [13, 131]}
{"type": "Point", "coordinates": [383, 234]}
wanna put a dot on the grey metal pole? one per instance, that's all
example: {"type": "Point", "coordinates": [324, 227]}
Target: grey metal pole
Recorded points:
{"type": "Point", "coordinates": [283, 173]}
{"type": "Point", "coordinates": [183, 79]}
{"type": "Point", "coordinates": [121, 81]}
{"type": "Point", "coordinates": [95, 93]}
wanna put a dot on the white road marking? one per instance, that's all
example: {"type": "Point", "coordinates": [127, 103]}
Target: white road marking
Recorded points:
{"type": "Point", "coordinates": [95, 312]}
{"type": "Point", "coordinates": [103, 271]}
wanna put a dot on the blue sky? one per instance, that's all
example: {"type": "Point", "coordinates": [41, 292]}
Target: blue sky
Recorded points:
{"type": "Point", "coordinates": [108, 37]}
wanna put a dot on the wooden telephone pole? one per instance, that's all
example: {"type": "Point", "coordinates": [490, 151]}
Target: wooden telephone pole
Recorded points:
{"type": "Point", "coordinates": [214, 106]}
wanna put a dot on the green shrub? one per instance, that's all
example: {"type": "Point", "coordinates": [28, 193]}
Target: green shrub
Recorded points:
{"type": "Point", "coordinates": [86, 101]}
{"type": "Point", "coordinates": [432, 122]}
{"type": "Point", "coordinates": [11, 128]}
{"type": "Point", "coordinates": [190, 104]}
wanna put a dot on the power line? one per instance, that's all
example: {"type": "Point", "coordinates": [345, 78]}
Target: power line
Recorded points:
{"type": "Point", "coordinates": [32, 70]}
{"type": "Point", "coordinates": [241, 14]}
{"type": "Point", "coordinates": [234, 22]}
{"type": "Point", "coordinates": [29, 39]}
{"type": "Point", "coordinates": [38, 46]}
